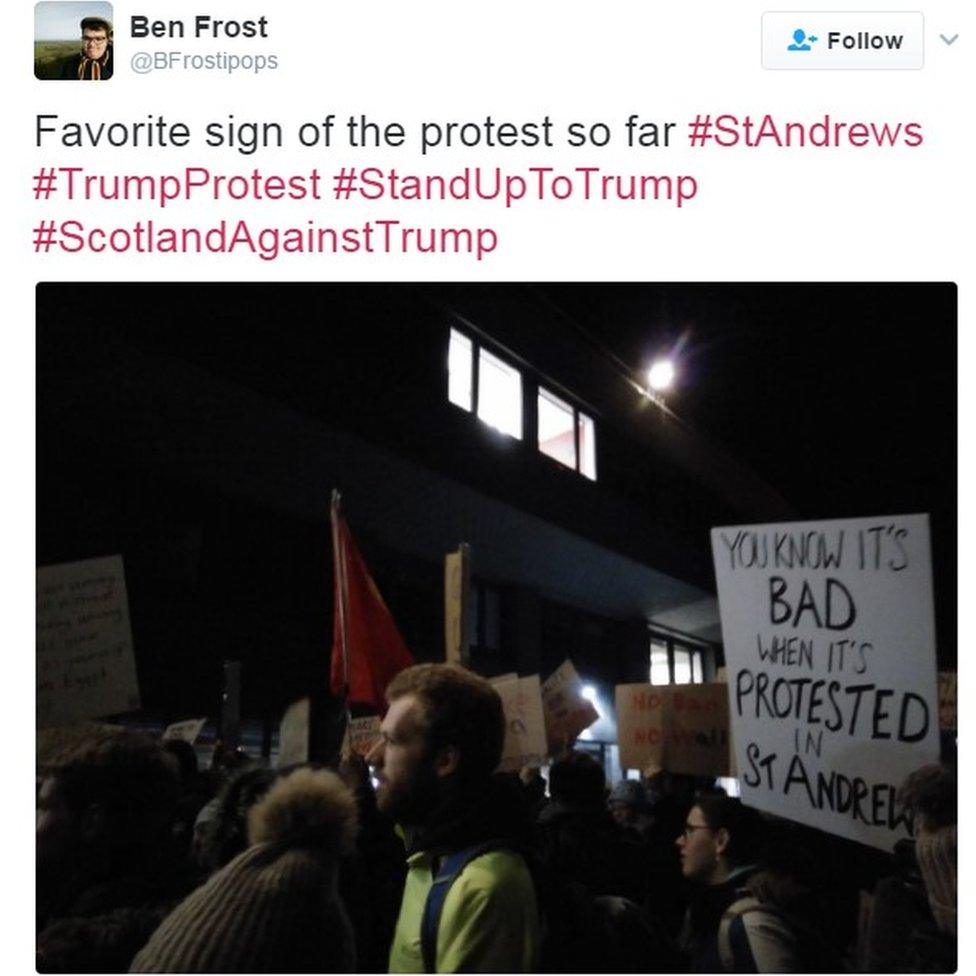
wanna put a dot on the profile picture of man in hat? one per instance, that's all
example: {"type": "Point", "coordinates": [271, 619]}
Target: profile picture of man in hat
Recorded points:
{"type": "Point", "coordinates": [94, 62]}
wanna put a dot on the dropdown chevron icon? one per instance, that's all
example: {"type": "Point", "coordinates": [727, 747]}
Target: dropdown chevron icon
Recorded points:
{"type": "Point", "coordinates": [949, 40]}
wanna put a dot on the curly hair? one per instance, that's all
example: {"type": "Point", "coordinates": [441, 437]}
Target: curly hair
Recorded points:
{"type": "Point", "coordinates": [460, 708]}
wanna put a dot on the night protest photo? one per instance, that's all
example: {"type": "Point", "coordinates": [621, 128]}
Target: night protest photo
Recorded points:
{"type": "Point", "coordinates": [496, 628]}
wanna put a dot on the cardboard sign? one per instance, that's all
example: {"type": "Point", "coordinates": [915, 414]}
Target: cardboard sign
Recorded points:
{"type": "Point", "coordinates": [85, 664]}
{"type": "Point", "coordinates": [188, 731]}
{"type": "Point", "coordinates": [947, 700]}
{"type": "Point", "coordinates": [829, 639]}
{"type": "Point", "coordinates": [362, 734]}
{"type": "Point", "coordinates": [680, 728]}
{"type": "Point", "coordinates": [565, 709]}
{"type": "Point", "coordinates": [293, 734]}
{"type": "Point", "coordinates": [525, 728]}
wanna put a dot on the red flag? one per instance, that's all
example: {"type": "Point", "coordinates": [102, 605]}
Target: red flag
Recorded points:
{"type": "Point", "coordinates": [362, 626]}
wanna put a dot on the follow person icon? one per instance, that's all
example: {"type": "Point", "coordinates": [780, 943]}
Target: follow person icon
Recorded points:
{"type": "Point", "coordinates": [801, 42]}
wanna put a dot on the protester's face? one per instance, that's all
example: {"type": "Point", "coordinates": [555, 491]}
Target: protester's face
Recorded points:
{"type": "Point", "coordinates": [403, 765]}
{"type": "Point", "coordinates": [622, 813]}
{"type": "Point", "coordinates": [698, 845]}
{"type": "Point", "coordinates": [94, 41]}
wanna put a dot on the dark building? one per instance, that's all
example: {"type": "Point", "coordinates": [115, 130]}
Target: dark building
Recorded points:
{"type": "Point", "coordinates": [199, 430]}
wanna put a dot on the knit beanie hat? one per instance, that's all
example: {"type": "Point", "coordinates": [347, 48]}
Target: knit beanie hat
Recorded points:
{"type": "Point", "coordinates": [275, 907]}
{"type": "Point", "coordinates": [631, 793]}
{"type": "Point", "coordinates": [935, 851]}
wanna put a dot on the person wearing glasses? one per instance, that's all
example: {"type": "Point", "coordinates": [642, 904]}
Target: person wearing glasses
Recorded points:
{"type": "Point", "coordinates": [727, 929]}
{"type": "Point", "coordinates": [94, 62]}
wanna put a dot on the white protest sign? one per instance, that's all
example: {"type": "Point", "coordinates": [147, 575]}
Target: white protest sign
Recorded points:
{"type": "Point", "coordinates": [566, 711]}
{"type": "Point", "coordinates": [525, 728]}
{"type": "Point", "coordinates": [500, 679]}
{"type": "Point", "coordinates": [85, 664]}
{"type": "Point", "coordinates": [188, 730]}
{"type": "Point", "coordinates": [829, 639]}
{"type": "Point", "coordinates": [293, 734]}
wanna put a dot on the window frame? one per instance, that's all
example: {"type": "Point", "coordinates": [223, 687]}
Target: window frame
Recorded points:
{"type": "Point", "coordinates": [476, 348]}
{"type": "Point", "coordinates": [528, 413]}
{"type": "Point", "coordinates": [545, 393]}
{"type": "Point", "coordinates": [688, 646]}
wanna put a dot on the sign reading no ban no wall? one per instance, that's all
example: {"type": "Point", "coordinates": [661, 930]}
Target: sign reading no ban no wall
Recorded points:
{"type": "Point", "coordinates": [829, 639]}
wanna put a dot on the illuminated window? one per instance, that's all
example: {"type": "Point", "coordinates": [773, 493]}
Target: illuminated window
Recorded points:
{"type": "Point", "coordinates": [675, 662]}
{"type": "Point", "coordinates": [482, 383]}
{"type": "Point", "coordinates": [587, 446]}
{"type": "Point", "coordinates": [460, 369]}
{"type": "Point", "coordinates": [660, 669]}
{"type": "Point", "coordinates": [566, 434]}
{"type": "Point", "coordinates": [682, 667]}
{"type": "Point", "coordinates": [499, 394]}
{"type": "Point", "coordinates": [557, 435]}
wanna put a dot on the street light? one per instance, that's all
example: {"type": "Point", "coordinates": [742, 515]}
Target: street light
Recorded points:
{"type": "Point", "coordinates": [661, 375]}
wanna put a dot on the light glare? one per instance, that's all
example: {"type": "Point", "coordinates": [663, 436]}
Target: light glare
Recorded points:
{"type": "Point", "coordinates": [661, 375]}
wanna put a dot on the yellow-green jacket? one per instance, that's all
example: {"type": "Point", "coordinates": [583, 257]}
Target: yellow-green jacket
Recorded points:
{"type": "Point", "coordinates": [490, 920]}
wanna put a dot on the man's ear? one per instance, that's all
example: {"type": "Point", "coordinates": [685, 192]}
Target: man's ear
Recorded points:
{"type": "Point", "coordinates": [722, 838]}
{"type": "Point", "coordinates": [447, 760]}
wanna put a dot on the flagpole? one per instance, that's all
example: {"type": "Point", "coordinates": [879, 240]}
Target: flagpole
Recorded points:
{"type": "Point", "coordinates": [342, 590]}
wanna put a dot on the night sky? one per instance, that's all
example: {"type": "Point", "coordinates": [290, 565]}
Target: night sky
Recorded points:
{"type": "Point", "coordinates": [842, 397]}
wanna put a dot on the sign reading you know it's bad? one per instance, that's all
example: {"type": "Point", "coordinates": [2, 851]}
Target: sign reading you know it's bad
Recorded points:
{"type": "Point", "coordinates": [830, 646]}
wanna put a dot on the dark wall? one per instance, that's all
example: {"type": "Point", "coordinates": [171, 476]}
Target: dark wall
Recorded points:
{"type": "Point", "coordinates": [211, 578]}
{"type": "Point", "coordinates": [373, 361]}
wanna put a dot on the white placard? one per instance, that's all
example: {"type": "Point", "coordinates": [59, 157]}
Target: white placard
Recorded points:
{"type": "Point", "coordinates": [829, 640]}
{"type": "Point", "coordinates": [525, 727]}
{"type": "Point", "coordinates": [85, 663]}
{"type": "Point", "coordinates": [567, 712]}
{"type": "Point", "coordinates": [188, 730]}
{"type": "Point", "coordinates": [293, 734]}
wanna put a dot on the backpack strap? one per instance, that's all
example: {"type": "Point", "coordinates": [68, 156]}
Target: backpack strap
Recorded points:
{"type": "Point", "coordinates": [736, 954]}
{"type": "Point", "coordinates": [451, 866]}
{"type": "Point", "coordinates": [738, 908]}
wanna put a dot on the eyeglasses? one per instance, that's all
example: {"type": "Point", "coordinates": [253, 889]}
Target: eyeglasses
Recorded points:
{"type": "Point", "coordinates": [94, 40]}
{"type": "Point", "coordinates": [691, 828]}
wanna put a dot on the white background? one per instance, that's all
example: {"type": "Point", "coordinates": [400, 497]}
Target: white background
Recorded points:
{"type": "Point", "coordinates": [761, 215]}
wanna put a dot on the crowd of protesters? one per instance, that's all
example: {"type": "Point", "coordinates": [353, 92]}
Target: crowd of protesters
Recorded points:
{"type": "Point", "coordinates": [424, 859]}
